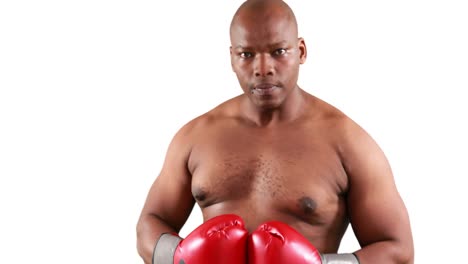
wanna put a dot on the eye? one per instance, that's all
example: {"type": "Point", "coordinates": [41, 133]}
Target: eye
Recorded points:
{"type": "Point", "coordinates": [280, 52]}
{"type": "Point", "coordinates": [245, 55]}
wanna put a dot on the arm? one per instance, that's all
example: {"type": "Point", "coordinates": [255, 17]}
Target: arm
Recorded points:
{"type": "Point", "coordinates": [377, 213]}
{"type": "Point", "coordinates": [170, 201]}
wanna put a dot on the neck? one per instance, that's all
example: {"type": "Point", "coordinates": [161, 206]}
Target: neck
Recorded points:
{"type": "Point", "coordinates": [289, 110]}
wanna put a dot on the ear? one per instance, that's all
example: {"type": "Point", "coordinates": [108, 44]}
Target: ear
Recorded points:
{"type": "Point", "coordinates": [303, 50]}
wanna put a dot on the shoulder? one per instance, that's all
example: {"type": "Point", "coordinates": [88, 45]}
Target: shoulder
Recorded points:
{"type": "Point", "coordinates": [223, 112]}
{"type": "Point", "coordinates": [358, 150]}
{"type": "Point", "coordinates": [344, 131]}
{"type": "Point", "coordinates": [198, 129]}
{"type": "Point", "coordinates": [361, 156]}
{"type": "Point", "coordinates": [332, 119]}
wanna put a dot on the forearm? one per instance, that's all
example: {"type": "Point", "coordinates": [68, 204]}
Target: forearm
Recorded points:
{"type": "Point", "coordinates": [386, 252]}
{"type": "Point", "coordinates": [149, 229]}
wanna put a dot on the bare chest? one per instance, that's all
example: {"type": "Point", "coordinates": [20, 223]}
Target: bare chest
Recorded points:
{"type": "Point", "coordinates": [288, 174]}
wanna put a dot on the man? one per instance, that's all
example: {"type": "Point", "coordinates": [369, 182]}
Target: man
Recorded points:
{"type": "Point", "coordinates": [273, 163]}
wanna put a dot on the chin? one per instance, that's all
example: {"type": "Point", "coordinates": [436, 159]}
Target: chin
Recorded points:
{"type": "Point", "coordinates": [268, 104]}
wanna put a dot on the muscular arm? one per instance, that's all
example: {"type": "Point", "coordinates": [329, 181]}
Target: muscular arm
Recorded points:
{"type": "Point", "coordinates": [170, 201]}
{"type": "Point", "coordinates": [377, 213]}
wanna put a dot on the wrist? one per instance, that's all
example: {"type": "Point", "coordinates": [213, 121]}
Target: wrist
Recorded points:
{"type": "Point", "coordinates": [347, 258]}
{"type": "Point", "coordinates": [164, 249]}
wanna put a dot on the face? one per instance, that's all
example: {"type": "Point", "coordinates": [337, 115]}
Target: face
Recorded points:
{"type": "Point", "coordinates": [265, 55]}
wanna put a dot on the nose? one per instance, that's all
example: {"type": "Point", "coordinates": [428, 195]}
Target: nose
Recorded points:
{"type": "Point", "coordinates": [263, 65]}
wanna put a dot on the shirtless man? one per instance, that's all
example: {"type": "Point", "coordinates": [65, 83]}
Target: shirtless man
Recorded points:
{"type": "Point", "coordinates": [277, 153]}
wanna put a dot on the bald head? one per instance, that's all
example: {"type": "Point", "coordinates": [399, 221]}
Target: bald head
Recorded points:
{"type": "Point", "coordinates": [265, 49]}
{"type": "Point", "coordinates": [258, 11]}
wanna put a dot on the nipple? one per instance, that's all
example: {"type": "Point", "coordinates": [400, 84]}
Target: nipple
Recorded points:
{"type": "Point", "coordinates": [199, 194]}
{"type": "Point", "coordinates": [307, 205]}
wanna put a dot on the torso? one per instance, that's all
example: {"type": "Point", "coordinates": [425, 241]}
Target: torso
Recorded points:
{"type": "Point", "coordinates": [289, 172]}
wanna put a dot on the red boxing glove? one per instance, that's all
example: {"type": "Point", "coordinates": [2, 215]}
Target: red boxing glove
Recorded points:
{"type": "Point", "coordinates": [221, 239]}
{"type": "Point", "coordinates": [276, 243]}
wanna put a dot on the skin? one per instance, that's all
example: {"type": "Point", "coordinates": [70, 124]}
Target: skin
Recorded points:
{"type": "Point", "coordinates": [276, 152]}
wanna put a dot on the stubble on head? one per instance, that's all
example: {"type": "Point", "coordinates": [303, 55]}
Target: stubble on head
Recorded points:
{"type": "Point", "coordinates": [262, 10]}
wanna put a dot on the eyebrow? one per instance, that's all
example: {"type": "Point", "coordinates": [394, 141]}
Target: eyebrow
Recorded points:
{"type": "Point", "coordinates": [276, 44]}
{"type": "Point", "coordinates": [241, 47]}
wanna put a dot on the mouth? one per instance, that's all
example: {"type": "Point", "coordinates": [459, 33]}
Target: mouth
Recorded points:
{"type": "Point", "coordinates": [264, 89]}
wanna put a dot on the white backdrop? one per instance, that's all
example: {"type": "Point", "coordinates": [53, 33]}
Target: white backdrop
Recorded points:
{"type": "Point", "coordinates": [91, 93]}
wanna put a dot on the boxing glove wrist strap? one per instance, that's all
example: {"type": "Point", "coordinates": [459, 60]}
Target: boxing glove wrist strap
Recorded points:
{"type": "Point", "coordinates": [165, 249]}
{"type": "Point", "coordinates": [339, 259]}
